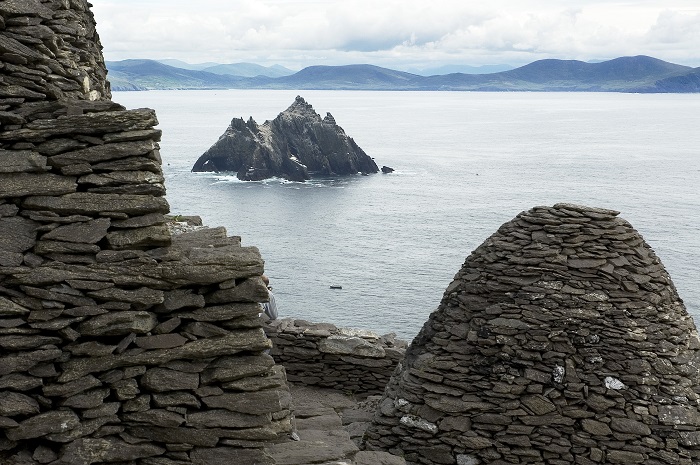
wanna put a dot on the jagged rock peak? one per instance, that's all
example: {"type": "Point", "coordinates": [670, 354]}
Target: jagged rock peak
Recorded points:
{"type": "Point", "coordinates": [296, 144]}
{"type": "Point", "coordinates": [300, 105]}
{"type": "Point", "coordinates": [252, 125]}
{"type": "Point", "coordinates": [329, 119]}
{"type": "Point", "coordinates": [561, 340]}
{"type": "Point", "coordinates": [302, 109]}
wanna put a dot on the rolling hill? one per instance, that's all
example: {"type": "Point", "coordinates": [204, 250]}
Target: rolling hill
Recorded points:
{"type": "Point", "coordinates": [625, 74]}
{"type": "Point", "coordinates": [151, 74]}
{"type": "Point", "coordinates": [347, 77]}
{"type": "Point", "coordinates": [235, 69]}
{"type": "Point", "coordinates": [249, 70]}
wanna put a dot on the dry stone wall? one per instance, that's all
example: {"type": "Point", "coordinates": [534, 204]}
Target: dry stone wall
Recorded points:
{"type": "Point", "coordinates": [157, 357]}
{"type": "Point", "coordinates": [119, 342]}
{"type": "Point", "coordinates": [561, 340]}
{"type": "Point", "coordinates": [321, 354]}
{"type": "Point", "coordinates": [49, 51]}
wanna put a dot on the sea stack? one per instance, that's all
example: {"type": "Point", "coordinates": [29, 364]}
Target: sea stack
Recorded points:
{"type": "Point", "coordinates": [293, 146]}
{"type": "Point", "coordinates": [561, 340]}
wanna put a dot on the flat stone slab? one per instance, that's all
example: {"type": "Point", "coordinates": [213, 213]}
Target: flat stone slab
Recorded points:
{"type": "Point", "coordinates": [22, 161]}
{"type": "Point", "coordinates": [24, 184]}
{"type": "Point", "coordinates": [321, 422]}
{"type": "Point", "coordinates": [89, 232]}
{"type": "Point", "coordinates": [323, 439]}
{"type": "Point", "coordinates": [377, 458]}
{"type": "Point", "coordinates": [309, 411]}
{"type": "Point", "coordinates": [314, 447]}
{"type": "Point", "coordinates": [348, 345]}
{"type": "Point", "coordinates": [309, 397]}
{"type": "Point", "coordinates": [85, 203]}
{"type": "Point", "coordinates": [361, 412]}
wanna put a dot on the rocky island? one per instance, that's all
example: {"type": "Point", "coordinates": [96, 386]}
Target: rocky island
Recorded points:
{"type": "Point", "coordinates": [296, 144]}
{"type": "Point", "coordinates": [126, 339]}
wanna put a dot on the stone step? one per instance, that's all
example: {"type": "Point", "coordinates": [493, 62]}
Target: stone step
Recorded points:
{"type": "Point", "coordinates": [329, 425]}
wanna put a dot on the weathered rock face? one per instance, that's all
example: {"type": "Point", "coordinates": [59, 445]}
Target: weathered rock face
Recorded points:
{"type": "Point", "coordinates": [119, 343]}
{"type": "Point", "coordinates": [292, 146]}
{"type": "Point", "coordinates": [561, 340]}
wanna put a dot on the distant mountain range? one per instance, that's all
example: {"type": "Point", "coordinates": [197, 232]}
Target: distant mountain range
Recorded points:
{"type": "Point", "coordinates": [234, 69]}
{"type": "Point", "coordinates": [641, 74]}
{"type": "Point", "coordinates": [464, 69]}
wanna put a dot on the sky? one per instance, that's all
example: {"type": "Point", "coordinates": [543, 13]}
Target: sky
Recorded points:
{"type": "Point", "coordinates": [398, 34]}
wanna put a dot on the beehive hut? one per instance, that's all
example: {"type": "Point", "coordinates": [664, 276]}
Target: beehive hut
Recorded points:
{"type": "Point", "coordinates": [119, 343]}
{"type": "Point", "coordinates": [561, 340]}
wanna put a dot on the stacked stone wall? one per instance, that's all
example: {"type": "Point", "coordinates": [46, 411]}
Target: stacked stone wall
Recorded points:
{"type": "Point", "coordinates": [152, 357]}
{"type": "Point", "coordinates": [49, 51]}
{"type": "Point", "coordinates": [561, 340]}
{"type": "Point", "coordinates": [119, 342]}
{"type": "Point", "coordinates": [321, 354]}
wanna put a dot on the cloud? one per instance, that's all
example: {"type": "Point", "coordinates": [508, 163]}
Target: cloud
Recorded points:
{"type": "Point", "coordinates": [677, 28]}
{"type": "Point", "coordinates": [391, 32]}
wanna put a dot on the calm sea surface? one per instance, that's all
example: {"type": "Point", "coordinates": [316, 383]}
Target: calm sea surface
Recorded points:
{"type": "Point", "coordinates": [465, 164]}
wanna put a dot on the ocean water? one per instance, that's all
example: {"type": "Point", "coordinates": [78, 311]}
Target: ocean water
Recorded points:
{"type": "Point", "coordinates": [465, 164]}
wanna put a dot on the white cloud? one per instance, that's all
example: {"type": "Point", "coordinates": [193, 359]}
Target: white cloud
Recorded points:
{"type": "Point", "coordinates": [676, 27]}
{"type": "Point", "coordinates": [397, 32]}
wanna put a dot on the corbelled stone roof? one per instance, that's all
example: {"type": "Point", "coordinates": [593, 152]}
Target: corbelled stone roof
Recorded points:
{"type": "Point", "coordinates": [49, 51]}
{"type": "Point", "coordinates": [561, 340]}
